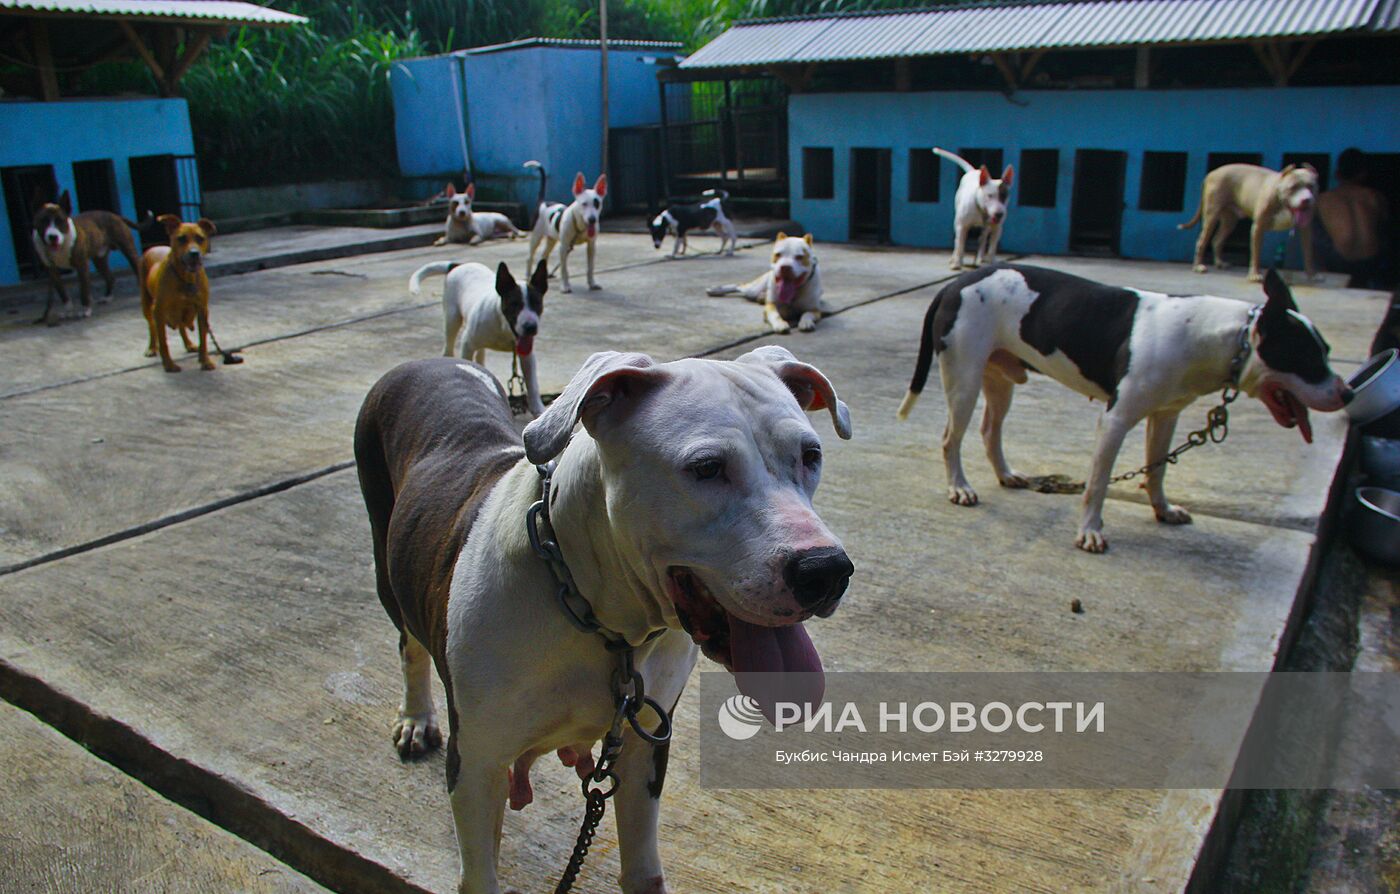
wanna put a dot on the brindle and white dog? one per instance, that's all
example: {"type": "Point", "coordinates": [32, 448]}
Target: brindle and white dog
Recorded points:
{"type": "Point", "coordinates": [684, 512]}
{"type": "Point", "coordinates": [1146, 355]}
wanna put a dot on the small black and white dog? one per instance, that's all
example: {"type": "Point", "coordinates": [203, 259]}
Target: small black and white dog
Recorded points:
{"type": "Point", "coordinates": [1146, 355]}
{"type": "Point", "coordinates": [677, 220]}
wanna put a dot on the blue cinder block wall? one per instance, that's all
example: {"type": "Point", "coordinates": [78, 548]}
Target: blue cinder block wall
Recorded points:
{"type": "Point", "coordinates": [1198, 122]}
{"type": "Point", "coordinates": [540, 102]}
{"type": "Point", "coordinates": [60, 133]}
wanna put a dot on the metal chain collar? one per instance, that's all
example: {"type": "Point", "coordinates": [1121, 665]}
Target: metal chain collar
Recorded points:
{"type": "Point", "coordinates": [628, 687]}
{"type": "Point", "coordinates": [1217, 426]}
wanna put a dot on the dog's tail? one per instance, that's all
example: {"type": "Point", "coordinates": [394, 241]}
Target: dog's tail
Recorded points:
{"type": "Point", "coordinates": [1200, 206]}
{"type": "Point", "coordinates": [146, 221]}
{"type": "Point", "coordinates": [437, 268]}
{"type": "Point", "coordinates": [539, 202]}
{"type": "Point", "coordinates": [921, 368]}
{"type": "Point", "coordinates": [723, 194]}
{"type": "Point", "coordinates": [955, 159]}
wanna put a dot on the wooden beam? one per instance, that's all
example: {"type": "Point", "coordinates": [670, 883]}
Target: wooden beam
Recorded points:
{"type": "Point", "coordinates": [1267, 58]}
{"type": "Point", "coordinates": [142, 50]}
{"type": "Point", "coordinates": [999, 59]}
{"type": "Point", "coordinates": [1031, 62]}
{"type": "Point", "coordinates": [194, 48]}
{"type": "Point", "coordinates": [1298, 58]}
{"type": "Point", "coordinates": [794, 77]}
{"type": "Point", "coordinates": [1142, 71]}
{"type": "Point", "coordinates": [43, 60]}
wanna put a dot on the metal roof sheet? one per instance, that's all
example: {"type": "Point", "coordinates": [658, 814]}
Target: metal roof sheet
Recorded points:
{"type": "Point", "coordinates": [1030, 25]}
{"type": "Point", "coordinates": [565, 43]}
{"type": "Point", "coordinates": [220, 11]}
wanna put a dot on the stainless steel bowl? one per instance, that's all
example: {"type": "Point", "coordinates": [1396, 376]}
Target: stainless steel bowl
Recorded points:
{"type": "Point", "coordinates": [1380, 460]}
{"type": "Point", "coordinates": [1375, 388]}
{"type": "Point", "coordinates": [1375, 530]}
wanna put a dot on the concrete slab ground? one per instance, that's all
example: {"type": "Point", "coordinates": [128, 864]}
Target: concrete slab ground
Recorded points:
{"type": "Point", "coordinates": [187, 556]}
{"type": "Point", "coordinates": [73, 823]}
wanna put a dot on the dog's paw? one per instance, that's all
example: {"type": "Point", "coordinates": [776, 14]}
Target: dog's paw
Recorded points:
{"type": "Point", "coordinates": [415, 735]}
{"type": "Point", "coordinates": [567, 290]}
{"type": "Point", "coordinates": [1173, 515]}
{"type": "Point", "coordinates": [781, 328]}
{"type": "Point", "coordinates": [1254, 277]}
{"type": "Point", "coordinates": [594, 287]}
{"type": "Point", "coordinates": [654, 885]}
{"type": "Point", "coordinates": [206, 364]}
{"type": "Point", "coordinates": [955, 265]}
{"type": "Point", "coordinates": [1199, 268]}
{"type": "Point", "coordinates": [1091, 541]}
{"type": "Point", "coordinates": [1014, 480]}
{"type": "Point", "coordinates": [172, 367]}
{"type": "Point", "coordinates": [962, 495]}
{"type": "Point", "coordinates": [807, 325]}
{"type": "Point", "coordinates": [717, 291]}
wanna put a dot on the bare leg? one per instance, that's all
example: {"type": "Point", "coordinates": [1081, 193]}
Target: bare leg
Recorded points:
{"type": "Point", "coordinates": [416, 733]}
{"type": "Point", "coordinates": [997, 390]}
{"type": "Point", "coordinates": [961, 394]}
{"type": "Point", "coordinates": [1160, 427]}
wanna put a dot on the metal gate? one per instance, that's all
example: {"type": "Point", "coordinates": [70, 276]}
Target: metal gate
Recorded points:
{"type": "Point", "coordinates": [634, 164]}
{"type": "Point", "coordinates": [728, 135]}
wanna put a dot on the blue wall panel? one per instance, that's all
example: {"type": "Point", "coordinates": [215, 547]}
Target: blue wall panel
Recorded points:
{"type": "Point", "coordinates": [60, 133]}
{"type": "Point", "coordinates": [1198, 122]}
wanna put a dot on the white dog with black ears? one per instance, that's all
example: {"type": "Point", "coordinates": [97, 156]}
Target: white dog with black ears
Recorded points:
{"type": "Point", "coordinates": [471, 227]}
{"type": "Point", "coordinates": [569, 225]}
{"type": "Point", "coordinates": [980, 202]}
{"type": "Point", "coordinates": [790, 290]}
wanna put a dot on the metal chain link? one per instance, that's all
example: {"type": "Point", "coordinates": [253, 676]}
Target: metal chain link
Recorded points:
{"type": "Point", "coordinates": [515, 387]}
{"type": "Point", "coordinates": [1216, 429]}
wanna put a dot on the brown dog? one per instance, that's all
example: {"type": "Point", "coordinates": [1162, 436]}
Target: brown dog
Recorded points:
{"type": "Point", "coordinates": [175, 288]}
{"type": "Point", "coordinates": [1274, 200]}
{"type": "Point", "coordinates": [66, 242]}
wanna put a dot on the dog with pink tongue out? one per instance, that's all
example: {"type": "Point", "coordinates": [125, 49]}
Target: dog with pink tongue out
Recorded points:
{"type": "Point", "coordinates": [682, 511]}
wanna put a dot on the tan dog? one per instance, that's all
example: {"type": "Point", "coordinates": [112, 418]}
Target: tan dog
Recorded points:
{"type": "Point", "coordinates": [175, 288]}
{"type": "Point", "coordinates": [791, 289]}
{"type": "Point", "coordinates": [1274, 200]}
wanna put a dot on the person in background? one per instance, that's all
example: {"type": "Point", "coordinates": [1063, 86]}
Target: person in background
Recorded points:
{"type": "Point", "coordinates": [1354, 237]}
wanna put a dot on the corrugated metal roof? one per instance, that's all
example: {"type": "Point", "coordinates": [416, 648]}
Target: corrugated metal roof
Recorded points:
{"type": "Point", "coordinates": [215, 11]}
{"type": "Point", "coordinates": [1029, 25]}
{"type": "Point", "coordinates": [570, 44]}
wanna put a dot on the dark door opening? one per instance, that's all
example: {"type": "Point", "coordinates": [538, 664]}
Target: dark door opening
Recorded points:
{"type": "Point", "coordinates": [95, 183]}
{"type": "Point", "coordinates": [26, 188]}
{"type": "Point", "coordinates": [1096, 207]}
{"type": "Point", "coordinates": [155, 187]}
{"type": "Point", "coordinates": [870, 195]}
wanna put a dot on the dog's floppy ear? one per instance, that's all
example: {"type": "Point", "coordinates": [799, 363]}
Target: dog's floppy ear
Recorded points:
{"type": "Point", "coordinates": [1280, 298]}
{"type": "Point", "coordinates": [579, 185]}
{"type": "Point", "coordinates": [600, 186]}
{"type": "Point", "coordinates": [984, 175]}
{"type": "Point", "coordinates": [207, 226]}
{"type": "Point", "coordinates": [171, 222]}
{"type": "Point", "coordinates": [604, 379]}
{"type": "Point", "coordinates": [1008, 175]}
{"type": "Point", "coordinates": [471, 190]}
{"type": "Point", "coordinates": [65, 202]}
{"type": "Point", "coordinates": [539, 281]}
{"type": "Point", "coordinates": [505, 283]}
{"type": "Point", "coordinates": [451, 190]}
{"type": "Point", "coordinates": [812, 389]}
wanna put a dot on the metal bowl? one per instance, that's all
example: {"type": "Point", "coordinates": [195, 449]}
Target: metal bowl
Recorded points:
{"type": "Point", "coordinates": [1375, 528]}
{"type": "Point", "coordinates": [1380, 460]}
{"type": "Point", "coordinates": [1375, 388]}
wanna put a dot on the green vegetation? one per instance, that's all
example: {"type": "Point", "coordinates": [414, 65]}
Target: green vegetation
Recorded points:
{"type": "Point", "coordinates": [312, 103]}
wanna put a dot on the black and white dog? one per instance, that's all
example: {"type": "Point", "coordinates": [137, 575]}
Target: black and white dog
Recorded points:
{"type": "Point", "coordinates": [1145, 354]}
{"type": "Point", "coordinates": [677, 220]}
{"type": "Point", "coordinates": [569, 225]}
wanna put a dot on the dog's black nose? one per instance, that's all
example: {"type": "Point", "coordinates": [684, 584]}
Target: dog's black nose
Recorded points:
{"type": "Point", "coordinates": [529, 327]}
{"type": "Point", "coordinates": [818, 578]}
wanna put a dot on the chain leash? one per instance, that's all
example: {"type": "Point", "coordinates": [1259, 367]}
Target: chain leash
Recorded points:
{"type": "Point", "coordinates": [628, 686]}
{"type": "Point", "coordinates": [515, 387]}
{"type": "Point", "coordinates": [1217, 427]}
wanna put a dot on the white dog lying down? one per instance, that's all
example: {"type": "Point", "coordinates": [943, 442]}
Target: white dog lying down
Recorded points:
{"type": "Point", "coordinates": [471, 227]}
{"type": "Point", "coordinates": [790, 290]}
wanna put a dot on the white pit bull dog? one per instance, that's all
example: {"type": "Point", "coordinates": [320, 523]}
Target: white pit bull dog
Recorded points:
{"type": "Point", "coordinates": [471, 227]}
{"type": "Point", "coordinates": [980, 202]}
{"type": "Point", "coordinates": [1274, 200]}
{"type": "Point", "coordinates": [570, 225]}
{"type": "Point", "coordinates": [1145, 354]}
{"type": "Point", "coordinates": [497, 312]}
{"type": "Point", "coordinates": [717, 550]}
{"type": "Point", "coordinates": [791, 290]}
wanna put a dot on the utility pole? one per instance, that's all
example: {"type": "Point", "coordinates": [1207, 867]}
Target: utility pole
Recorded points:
{"type": "Point", "coordinates": [603, 49]}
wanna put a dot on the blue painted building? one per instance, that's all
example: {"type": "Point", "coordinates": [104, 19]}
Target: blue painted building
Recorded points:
{"type": "Point", "coordinates": [1111, 113]}
{"type": "Point", "coordinates": [122, 154]}
{"type": "Point", "coordinates": [489, 109]}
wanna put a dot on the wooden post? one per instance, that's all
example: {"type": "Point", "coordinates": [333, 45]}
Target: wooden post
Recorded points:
{"type": "Point", "coordinates": [43, 59]}
{"type": "Point", "coordinates": [901, 74]}
{"type": "Point", "coordinates": [1142, 73]}
{"type": "Point", "coordinates": [603, 48]}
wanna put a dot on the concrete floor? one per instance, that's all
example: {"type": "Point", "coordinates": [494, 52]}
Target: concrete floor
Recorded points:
{"type": "Point", "coordinates": [187, 556]}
